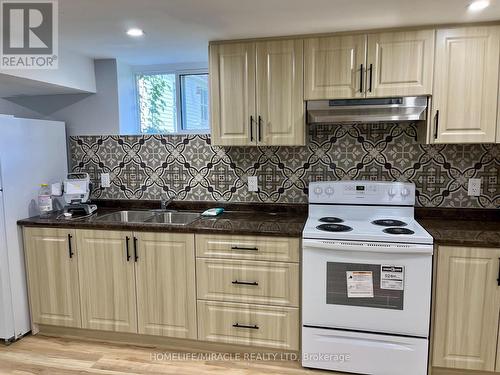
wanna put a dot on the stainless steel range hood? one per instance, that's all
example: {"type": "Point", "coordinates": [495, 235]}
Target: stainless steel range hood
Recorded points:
{"type": "Point", "coordinates": [412, 108]}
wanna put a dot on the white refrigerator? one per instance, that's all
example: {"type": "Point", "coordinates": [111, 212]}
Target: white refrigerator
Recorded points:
{"type": "Point", "coordinates": [32, 152]}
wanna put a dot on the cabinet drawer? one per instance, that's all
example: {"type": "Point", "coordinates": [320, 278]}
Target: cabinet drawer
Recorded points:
{"type": "Point", "coordinates": [242, 324]}
{"type": "Point", "coordinates": [248, 247]}
{"type": "Point", "coordinates": [248, 281]}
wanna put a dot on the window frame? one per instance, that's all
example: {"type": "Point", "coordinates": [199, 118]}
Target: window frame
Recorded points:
{"type": "Point", "coordinates": [178, 99]}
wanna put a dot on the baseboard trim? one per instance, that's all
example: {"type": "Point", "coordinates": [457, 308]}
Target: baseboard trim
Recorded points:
{"type": "Point", "coordinates": [446, 371]}
{"type": "Point", "coordinates": [159, 342]}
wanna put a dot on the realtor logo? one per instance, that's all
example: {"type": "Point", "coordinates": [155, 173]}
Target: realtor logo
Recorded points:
{"type": "Point", "coordinates": [29, 37]}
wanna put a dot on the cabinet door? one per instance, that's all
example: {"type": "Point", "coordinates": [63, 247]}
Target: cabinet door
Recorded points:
{"type": "Point", "coordinates": [467, 307]}
{"type": "Point", "coordinates": [466, 84]}
{"type": "Point", "coordinates": [400, 63]}
{"type": "Point", "coordinates": [232, 94]}
{"type": "Point", "coordinates": [333, 67]}
{"type": "Point", "coordinates": [52, 276]}
{"type": "Point", "coordinates": [107, 281]}
{"type": "Point", "coordinates": [166, 294]}
{"type": "Point", "coordinates": [280, 93]}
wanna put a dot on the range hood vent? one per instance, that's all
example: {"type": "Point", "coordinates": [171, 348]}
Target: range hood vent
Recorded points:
{"type": "Point", "coordinates": [411, 108]}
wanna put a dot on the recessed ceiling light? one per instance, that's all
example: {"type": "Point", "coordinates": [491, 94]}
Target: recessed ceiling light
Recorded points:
{"type": "Point", "coordinates": [135, 32]}
{"type": "Point", "coordinates": [478, 5]}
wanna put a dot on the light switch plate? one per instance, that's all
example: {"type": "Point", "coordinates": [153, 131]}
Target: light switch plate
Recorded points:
{"type": "Point", "coordinates": [253, 183]}
{"type": "Point", "coordinates": [474, 187]}
{"type": "Point", "coordinates": [105, 180]}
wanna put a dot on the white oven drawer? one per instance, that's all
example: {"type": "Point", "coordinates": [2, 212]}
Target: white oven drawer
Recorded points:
{"type": "Point", "coordinates": [363, 353]}
{"type": "Point", "coordinates": [327, 303]}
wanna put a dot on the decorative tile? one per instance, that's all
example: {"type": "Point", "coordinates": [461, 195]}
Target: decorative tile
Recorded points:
{"type": "Point", "coordinates": [188, 167]}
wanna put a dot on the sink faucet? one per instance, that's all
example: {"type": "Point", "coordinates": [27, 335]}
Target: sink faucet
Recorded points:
{"type": "Point", "coordinates": [165, 201]}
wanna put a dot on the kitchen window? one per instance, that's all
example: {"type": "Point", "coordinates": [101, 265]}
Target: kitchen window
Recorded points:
{"type": "Point", "coordinates": [173, 102]}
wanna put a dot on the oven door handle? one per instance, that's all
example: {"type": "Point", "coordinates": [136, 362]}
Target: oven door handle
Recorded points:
{"type": "Point", "coordinates": [367, 247]}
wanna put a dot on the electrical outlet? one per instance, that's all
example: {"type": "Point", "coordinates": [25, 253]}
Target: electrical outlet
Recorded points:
{"type": "Point", "coordinates": [105, 180]}
{"type": "Point", "coordinates": [474, 188]}
{"type": "Point", "coordinates": [253, 183]}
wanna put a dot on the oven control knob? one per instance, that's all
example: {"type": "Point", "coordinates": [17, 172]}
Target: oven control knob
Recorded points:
{"type": "Point", "coordinates": [329, 190]}
{"type": "Point", "coordinates": [318, 191]}
{"type": "Point", "coordinates": [391, 192]}
{"type": "Point", "coordinates": [405, 192]}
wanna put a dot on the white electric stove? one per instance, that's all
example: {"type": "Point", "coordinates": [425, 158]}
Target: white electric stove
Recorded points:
{"type": "Point", "coordinates": [366, 280]}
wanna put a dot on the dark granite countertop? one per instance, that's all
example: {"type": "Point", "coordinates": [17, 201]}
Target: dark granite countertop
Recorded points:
{"type": "Point", "coordinates": [454, 227]}
{"type": "Point", "coordinates": [255, 219]}
{"type": "Point", "coordinates": [462, 227]}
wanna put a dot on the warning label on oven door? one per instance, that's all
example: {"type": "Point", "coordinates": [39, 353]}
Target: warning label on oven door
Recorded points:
{"type": "Point", "coordinates": [359, 284]}
{"type": "Point", "coordinates": [392, 277]}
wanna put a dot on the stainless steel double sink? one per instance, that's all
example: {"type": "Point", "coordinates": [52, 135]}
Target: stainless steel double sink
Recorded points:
{"type": "Point", "coordinates": [153, 217]}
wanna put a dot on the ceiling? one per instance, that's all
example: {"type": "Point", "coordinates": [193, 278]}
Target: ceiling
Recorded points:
{"type": "Point", "coordinates": [178, 31]}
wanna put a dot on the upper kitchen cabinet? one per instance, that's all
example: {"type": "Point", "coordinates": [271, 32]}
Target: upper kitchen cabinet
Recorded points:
{"type": "Point", "coordinates": [466, 85]}
{"type": "Point", "coordinates": [280, 93]}
{"type": "Point", "coordinates": [232, 94]}
{"type": "Point", "coordinates": [374, 65]}
{"type": "Point", "coordinates": [334, 67]}
{"type": "Point", "coordinates": [400, 63]}
{"type": "Point", "coordinates": [257, 95]}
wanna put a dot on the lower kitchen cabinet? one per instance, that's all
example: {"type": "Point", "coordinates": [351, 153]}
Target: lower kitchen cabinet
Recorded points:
{"type": "Point", "coordinates": [248, 281]}
{"type": "Point", "coordinates": [166, 291]}
{"type": "Point", "coordinates": [244, 324]}
{"type": "Point", "coordinates": [107, 280]}
{"type": "Point", "coordinates": [248, 290]}
{"type": "Point", "coordinates": [467, 308]}
{"type": "Point", "coordinates": [52, 265]}
{"type": "Point", "coordinates": [238, 290]}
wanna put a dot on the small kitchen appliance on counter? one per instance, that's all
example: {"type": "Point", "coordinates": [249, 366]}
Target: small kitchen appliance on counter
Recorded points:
{"type": "Point", "coordinates": [366, 280]}
{"type": "Point", "coordinates": [77, 189]}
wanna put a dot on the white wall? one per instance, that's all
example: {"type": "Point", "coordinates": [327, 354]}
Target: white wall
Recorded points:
{"type": "Point", "coordinates": [75, 72]}
{"type": "Point", "coordinates": [9, 108]}
{"type": "Point", "coordinates": [127, 99]}
{"type": "Point", "coordinates": [96, 114]}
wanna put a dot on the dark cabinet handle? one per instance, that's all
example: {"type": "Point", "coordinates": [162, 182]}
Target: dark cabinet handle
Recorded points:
{"type": "Point", "coordinates": [136, 255]}
{"type": "Point", "coordinates": [244, 248]}
{"type": "Point", "coordinates": [371, 77]}
{"type": "Point", "coordinates": [436, 125]}
{"type": "Point", "coordinates": [251, 128]}
{"type": "Point", "coordinates": [238, 325]}
{"type": "Point", "coordinates": [498, 280]}
{"type": "Point", "coordinates": [70, 248]}
{"type": "Point", "coordinates": [253, 283]}
{"type": "Point", "coordinates": [127, 239]}
{"type": "Point", "coordinates": [361, 78]}
{"type": "Point", "coordinates": [259, 130]}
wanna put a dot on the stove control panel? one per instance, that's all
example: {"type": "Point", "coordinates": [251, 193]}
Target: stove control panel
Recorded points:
{"type": "Point", "coordinates": [362, 192]}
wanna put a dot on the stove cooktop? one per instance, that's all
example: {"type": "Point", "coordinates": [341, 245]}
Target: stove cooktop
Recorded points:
{"type": "Point", "coordinates": [358, 223]}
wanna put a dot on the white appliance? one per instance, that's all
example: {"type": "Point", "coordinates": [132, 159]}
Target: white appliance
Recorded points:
{"type": "Point", "coordinates": [366, 280]}
{"type": "Point", "coordinates": [31, 152]}
{"type": "Point", "coordinates": [77, 189]}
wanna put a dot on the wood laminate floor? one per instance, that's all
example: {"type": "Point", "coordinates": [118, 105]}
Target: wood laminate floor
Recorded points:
{"type": "Point", "coordinates": [62, 356]}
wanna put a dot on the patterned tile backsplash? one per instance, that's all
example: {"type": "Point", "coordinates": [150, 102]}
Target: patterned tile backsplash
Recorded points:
{"type": "Point", "coordinates": [189, 168]}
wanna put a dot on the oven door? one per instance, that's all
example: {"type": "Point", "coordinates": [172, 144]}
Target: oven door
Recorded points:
{"type": "Point", "coordinates": [370, 287]}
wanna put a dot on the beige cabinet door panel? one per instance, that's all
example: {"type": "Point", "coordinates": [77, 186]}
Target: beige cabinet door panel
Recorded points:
{"type": "Point", "coordinates": [242, 324]}
{"type": "Point", "coordinates": [467, 308]}
{"type": "Point", "coordinates": [466, 84]}
{"type": "Point", "coordinates": [280, 249]}
{"type": "Point", "coordinates": [107, 281]}
{"type": "Point", "coordinates": [280, 93]}
{"type": "Point", "coordinates": [166, 296]}
{"type": "Point", "coordinates": [400, 63]}
{"type": "Point", "coordinates": [52, 276]}
{"type": "Point", "coordinates": [268, 283]}
{"type": "Point", "coordinates": [333, 67]}
{"type": "Point", "coordinates": [232, 94]}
